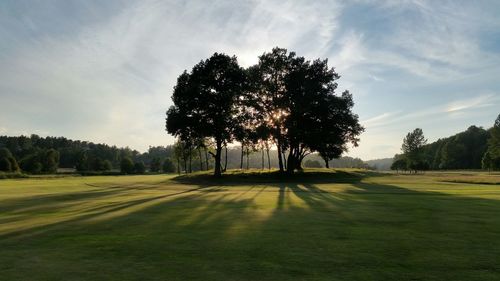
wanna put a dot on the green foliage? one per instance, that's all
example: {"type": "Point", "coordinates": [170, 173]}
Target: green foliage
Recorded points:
{"type": "Point", "coordinates": [41, 161]}
{"type": "Point", "coordinates": [139, 168]}
{"type": "Point", "coordinates": [494, 146]}
{"type": "Point", "coordinates": [49, 160]}
{"type": "Point", "coordinates": [168, 166]}
{"type": "Point", "coordinates": [312, 164]}
{"type": "Point", "coordinates": [5, 165]}
{"type": "Point", "coordinates": [7, 162]}
{"type": "Point", "coordinates": [399, 165]}
{"type": "Point", "coordinates": [155, 165]}
{"type": "Point", "coordinates": [412, 150]}
{"type": "Point", "coordinates": [126, 166]}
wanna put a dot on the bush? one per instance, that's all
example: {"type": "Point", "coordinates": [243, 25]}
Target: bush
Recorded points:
{"type": "Point", "coordinates": [127, 166]}
{"type": "Point", "coordinates": [312, 164]}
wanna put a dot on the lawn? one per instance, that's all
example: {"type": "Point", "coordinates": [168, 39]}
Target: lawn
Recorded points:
{"type": "Point", "coordinates": [343, 225]}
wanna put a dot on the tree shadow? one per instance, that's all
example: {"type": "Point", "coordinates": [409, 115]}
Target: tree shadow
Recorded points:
{"type": "Point", "coordinates": [274, 231]}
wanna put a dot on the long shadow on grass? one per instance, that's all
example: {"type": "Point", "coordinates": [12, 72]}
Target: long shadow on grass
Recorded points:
{"type": "Point", "coordinates": [281, 231]}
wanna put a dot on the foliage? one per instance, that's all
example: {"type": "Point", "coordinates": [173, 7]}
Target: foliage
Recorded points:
{"type": "Point", "coordinates": [412, 150]}
{"type": "Point", "coordinates": [494, 146]}
{"type": "Point", "coordinates": [139, 168]}
{"type": "Point", "coordinates": [155, 165]}
{"type": "Point", "coordinates": [126, 166]}
{"type": "Point", "coordinates": [399, 165]}
{"type": "Point", "coordinates": [168, 166]}
{"type": "Point", "coordinates": [205, 102]}
{"type": "Point", "coordinates": [312, 164]}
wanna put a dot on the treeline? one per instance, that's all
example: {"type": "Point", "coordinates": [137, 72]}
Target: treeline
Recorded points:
{"type": "Point", "coordinates": [35, 154]}
{"type": "Point", "coordinates": [39, 155]}
{"type": "Point", "coordinates": [475, 148]}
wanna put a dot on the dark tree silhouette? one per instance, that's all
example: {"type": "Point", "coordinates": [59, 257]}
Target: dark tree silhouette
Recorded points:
{"type": "Point", "coordinates": [205, 103]}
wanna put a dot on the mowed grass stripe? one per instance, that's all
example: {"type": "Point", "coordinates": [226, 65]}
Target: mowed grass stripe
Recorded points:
{"type": "Point", "coordinates": [371, 227]}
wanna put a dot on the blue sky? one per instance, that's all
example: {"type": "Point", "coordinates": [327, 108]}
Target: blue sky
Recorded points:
{"type": "Point", "coordinates": [104, 70]}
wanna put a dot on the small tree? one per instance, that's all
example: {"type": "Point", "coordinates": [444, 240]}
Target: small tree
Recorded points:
{"type": "Point", "coordinates": [312, 164]}
{"type": "Point", "coordinates": [412, 148]}
{"type": "Point", "coordinates": [106, 165]}
{"type": "Point", "coordinates": [49, 160]}
{"type": "Point", "coordinates": [7, 162]}
{"type": "Point", "coordinates": [126, 165]}
{"type": "Point", "coordinates": [399, 165]}
{"type": "Point", "coordinates": [168, 166]}
{"type": "Point", "coordinates": [5, 165]}
{"type": "Point", "coordinates": [155, 165]}
{"type": "Point", "coordinates": [139, 167]}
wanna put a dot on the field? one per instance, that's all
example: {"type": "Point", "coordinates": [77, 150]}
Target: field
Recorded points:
{"type": "Point", "coordinates": [343, 225]}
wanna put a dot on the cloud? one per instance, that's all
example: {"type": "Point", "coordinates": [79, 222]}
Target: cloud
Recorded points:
{"type": "Point", "coordinates": [105, 71]}
{"type": "Point", "coordinates": [476, 102]}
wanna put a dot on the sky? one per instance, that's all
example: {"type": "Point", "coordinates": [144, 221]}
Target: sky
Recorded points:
{"type": "Point", "coordinates": [104, 71]}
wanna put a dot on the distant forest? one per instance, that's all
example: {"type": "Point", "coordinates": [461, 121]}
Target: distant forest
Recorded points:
{"type": "Point", "coordinates": [474, 148]}
{"type": "Point", "coordinates": [35, 154]}
{"type": "Point", "coordinates": [31, 153]}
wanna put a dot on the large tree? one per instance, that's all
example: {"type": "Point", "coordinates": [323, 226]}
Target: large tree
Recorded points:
{"type": "Point", "coordinates": [300, 109]}
{"type": "Point", "coordinates": [269, 76]}
{"type": "Point", "coordinates": [206, 102]}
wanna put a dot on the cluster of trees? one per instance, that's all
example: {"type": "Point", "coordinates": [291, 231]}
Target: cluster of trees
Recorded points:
{"type": "Point", "coordinates": [7, 162]}
{"type": "Point", "coordinates": [285, 101]}
{"type": "Point", "coordinates": [491, 158]}
{"type": "Point", "coordinates": [37, 154]}
{"type": "Point", "coordinates": [474, 148]}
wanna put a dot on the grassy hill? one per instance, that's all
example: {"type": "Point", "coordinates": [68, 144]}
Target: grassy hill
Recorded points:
{"type": "Point", "coordinates": [337, 225]}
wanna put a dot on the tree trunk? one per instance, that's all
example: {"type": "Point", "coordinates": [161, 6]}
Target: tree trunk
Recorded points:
{"type": "Point", "coordinates": [190, 160]}
{"type": "Point", "coordinates": [280, 161]}
{"type": "Point", "coordinates": [262, 153]}
{"type": "Point", "coordinates": [284, 159]}
{"type": "Point", "coordinates": [178, 165]}
{"type": "Point", "coordinates": [241, 160]}
{"type": "Point", "coordinates": [201, 159]}
{"type": "Point", "coordinates": [327, 165]}
{"type": "Point", "coordinates": [218, 152]}
{"type": "Point", "coordinates": [206, 157]}
{"type": "Point", "coordinates": [248, 156]}
{"type": "Point", "coordinates": [291, 162]}
{"type": "Point", "coordinates": [185, 164]}
{"type": "Point", "coordinates": [225, 162]}
{"type": "Point", "coordinates": [268, 158]}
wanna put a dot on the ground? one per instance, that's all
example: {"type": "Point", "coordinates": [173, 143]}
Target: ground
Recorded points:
{"type": "Point", "coordinates": [342, 225]}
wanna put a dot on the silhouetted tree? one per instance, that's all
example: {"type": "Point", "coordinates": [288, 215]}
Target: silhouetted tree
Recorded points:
{"type": "Point", "coordinates": [205, 102]}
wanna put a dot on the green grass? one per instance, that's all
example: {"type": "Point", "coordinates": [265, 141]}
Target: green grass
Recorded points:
{"type": "Point", "coordinates": [343, 225]}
